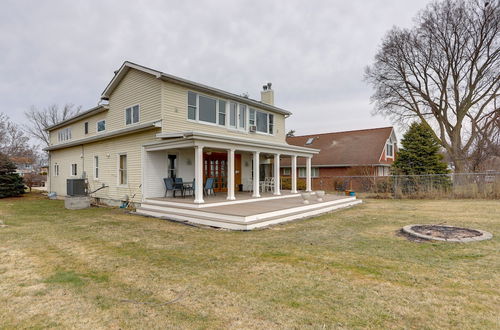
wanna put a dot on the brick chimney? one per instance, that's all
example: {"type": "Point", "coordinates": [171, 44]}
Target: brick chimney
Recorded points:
{"type": "Point", "coordinates": [267, 94]}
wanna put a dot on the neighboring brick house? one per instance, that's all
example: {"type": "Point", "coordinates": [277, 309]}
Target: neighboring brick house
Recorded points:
{"type": "Point", "coordinates": [361, 152]}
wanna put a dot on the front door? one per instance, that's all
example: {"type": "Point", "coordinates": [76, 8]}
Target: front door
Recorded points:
{"type": "Point", "coordinates": [215, 166]}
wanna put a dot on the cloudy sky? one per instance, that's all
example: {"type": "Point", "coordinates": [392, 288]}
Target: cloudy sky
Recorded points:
{"type": "Point", "coordinates": [314, 52]}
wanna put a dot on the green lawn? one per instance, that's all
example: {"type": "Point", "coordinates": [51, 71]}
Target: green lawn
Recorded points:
{"type": "Point", "coordinates": [102, 268]}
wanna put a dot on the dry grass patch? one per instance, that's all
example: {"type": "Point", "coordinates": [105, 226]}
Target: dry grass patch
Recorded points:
{"type": "Point", "coordinates": [103, 268]}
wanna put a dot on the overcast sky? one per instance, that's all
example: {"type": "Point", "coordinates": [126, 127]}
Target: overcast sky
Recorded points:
{"type": "Point", "coordinates": [314, 52]}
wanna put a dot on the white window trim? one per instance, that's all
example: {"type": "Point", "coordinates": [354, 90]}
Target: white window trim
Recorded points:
{"type": "Point", "coordinates": [132, 114]}
{"type": "Point", "coordinates": [64, 134]}
{"type": "Point", "coordinates": [96, 167]}
{"type": "Point", "coordinates": [88, 128]}
{"type": "Point", "coordinates": [56, 169]}
{"type": "Point", "coordinates": [287, 171]}
{"type": "Point", "coordinates": [71, 170]}
{"type": "Point", "coordinates": [387, 155]}
{"type": "Point", "coordinates": [118, 184]}
{"type": "Point", "coordinates": [97, 126]}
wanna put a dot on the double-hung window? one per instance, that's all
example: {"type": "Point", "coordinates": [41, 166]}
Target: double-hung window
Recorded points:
{"type": "Point", "coordinates": [251, 117]}
{"type": "Point", "coordinates": [233, 110]}
{"type": "Point", "coordinates": [101, 125]}
{"type": "Point", "coordinates": [56, 169]}
{"type": "Point", "coordinates": [303, 172]}
{"type": "Point", "coordinates": [263, 121]}
{"type": "Point", "coordinates": [132, 115]}
{"type": "Point", "coordinates": [242, 115]}
{"type": "Point", "coordinates": [86, 127]}
{"type": "Point", "coordinates": [64, 134]}
{"type": "Point", "coordinates": [96, 167]}
{"type": "Point", "coordinates": [192, 105]}
{"type": "Point", "coordinates": [122, 170]}
{"type": "Point", "coordinates": [222, 113]}
{"type": "Point", "coordinates": [74, 170]}
{"type": "Point", "coordinates": [389, 150]}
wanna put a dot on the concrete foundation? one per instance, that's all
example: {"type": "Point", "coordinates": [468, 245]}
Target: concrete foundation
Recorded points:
{"type": "Point", "coordinates": [76, 202]}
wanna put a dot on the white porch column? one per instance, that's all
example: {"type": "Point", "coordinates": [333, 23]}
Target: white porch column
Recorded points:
{"type": "Point", "coordinates": [294, 174]}
{"type": "Point", "coordinates": [198, 174]}
{"type": "Point", "coordinates": [308, 174]}
{"type": "Point", "coordinates": [230, 175]}
{"type": "Point", "coordinates": [256, 174]}
{"type": "Point", "coordinates": [277, 180]}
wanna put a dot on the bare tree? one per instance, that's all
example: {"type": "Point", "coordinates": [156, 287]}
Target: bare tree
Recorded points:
{"type": "Point", "coordinates": [445, 71]}
{"type": "Point", "coordinates": [290, 133]}
{"type": "Point", "coordinates": [40, 119]}
{"type": "Point", "coordinates": [13, 141]}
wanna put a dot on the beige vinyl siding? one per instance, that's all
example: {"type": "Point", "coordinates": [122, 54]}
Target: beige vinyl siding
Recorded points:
{"type": "Point", "coordinates": [136, 88]}
{"type": "Point", "coordinates": [78, 129]}
{"type": "Point", "coordinates": [64, 158]}
{"type": "Point", "coordinates": [108, 166]}
{"type": "Point", "coordinates": [174, 115]}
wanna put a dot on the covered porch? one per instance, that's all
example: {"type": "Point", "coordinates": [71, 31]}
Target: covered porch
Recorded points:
{"type": "Point", "coordinates": [237, 169]}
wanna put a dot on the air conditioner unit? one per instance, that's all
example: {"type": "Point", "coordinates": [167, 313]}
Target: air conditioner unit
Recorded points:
{"type": "Point", "coordinates": [253, 128]}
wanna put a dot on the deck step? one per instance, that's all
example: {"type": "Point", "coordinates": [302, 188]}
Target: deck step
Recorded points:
{"type": "Point", "coordinates": [237, 222]}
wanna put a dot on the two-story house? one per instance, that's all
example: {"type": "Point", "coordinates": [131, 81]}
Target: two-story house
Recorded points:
{"type": "Point", "coordinates": [150, 125]}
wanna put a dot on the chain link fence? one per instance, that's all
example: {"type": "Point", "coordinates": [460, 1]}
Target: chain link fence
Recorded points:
{"type": "Point", "coordinates": [459, 185]}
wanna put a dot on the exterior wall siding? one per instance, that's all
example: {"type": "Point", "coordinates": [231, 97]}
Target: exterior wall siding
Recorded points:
{"type": "Point", "coordinates": [108, 152]}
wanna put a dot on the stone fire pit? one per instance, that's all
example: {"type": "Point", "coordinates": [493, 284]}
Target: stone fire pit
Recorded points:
{"type": "Point", "coordinates": [447, 233]}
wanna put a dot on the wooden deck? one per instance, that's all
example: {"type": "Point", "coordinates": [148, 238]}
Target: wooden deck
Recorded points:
{"type": "Point", "coordinates": [245, 212]}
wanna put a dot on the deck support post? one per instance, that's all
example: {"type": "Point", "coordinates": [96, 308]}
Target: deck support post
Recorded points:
{"type": "Point", "coordinates": [308, 174]}
{"type": "Point", "coordinates": [277, 180]}
{"type": "Point", "coordinates": [230, 177]}
{"type": "Point", "coordinates": [256, 173]}
{"type": "Point", "coordinates": [294, 174]}
{"type": "Point", "coordinates": [198, 175]}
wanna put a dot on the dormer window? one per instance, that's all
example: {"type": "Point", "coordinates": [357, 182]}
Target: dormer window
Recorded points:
{"type": "Point", "coordinates": [132, 115]}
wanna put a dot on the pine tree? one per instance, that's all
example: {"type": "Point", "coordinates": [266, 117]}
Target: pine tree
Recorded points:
{"type": "Point", "coordinates": [419, 154]}
{"type": "Point", "coordinates": [11, 184]}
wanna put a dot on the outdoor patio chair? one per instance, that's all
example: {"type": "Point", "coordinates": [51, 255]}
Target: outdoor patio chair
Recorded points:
{"type": "Point", "coordinates": [209, 187]}
{"type": "Point", "coordinates": [268, 184]}
{"type": "Point", "coordinates": [170, 186]}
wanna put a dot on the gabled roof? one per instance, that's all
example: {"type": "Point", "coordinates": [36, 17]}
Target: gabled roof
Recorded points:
{"type": "Point", "coordinates": [126, 66]}
{"type": "Point", "coordinates": [350, 148]}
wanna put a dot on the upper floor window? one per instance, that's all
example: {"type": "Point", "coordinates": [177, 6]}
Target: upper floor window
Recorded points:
{"type": "Point", "coordinates": [242, 116]}
{"type": "Point", "coordinates": [222, 113]}
{"type": "Point", "coordinates": [132, 115]}
{"type": "Point", "coordinates": [56, 169]}
{"type": "Point", "coordinates": [64, 134]}
{"type": "Point", "coordinates": [206, 109]}
{"type": "Point", "coordinates": [233, 109]}
{"type": "Point", "coordinates": [86, 127]}
{"type": "Point", "coordinates": [389, 150]}
{"type": "Point", "coordinates": [101, 125]}
{"type": "Point", "coordinates": [263, 121]}
{"type": "Point", "coordinates": [232, 114]}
